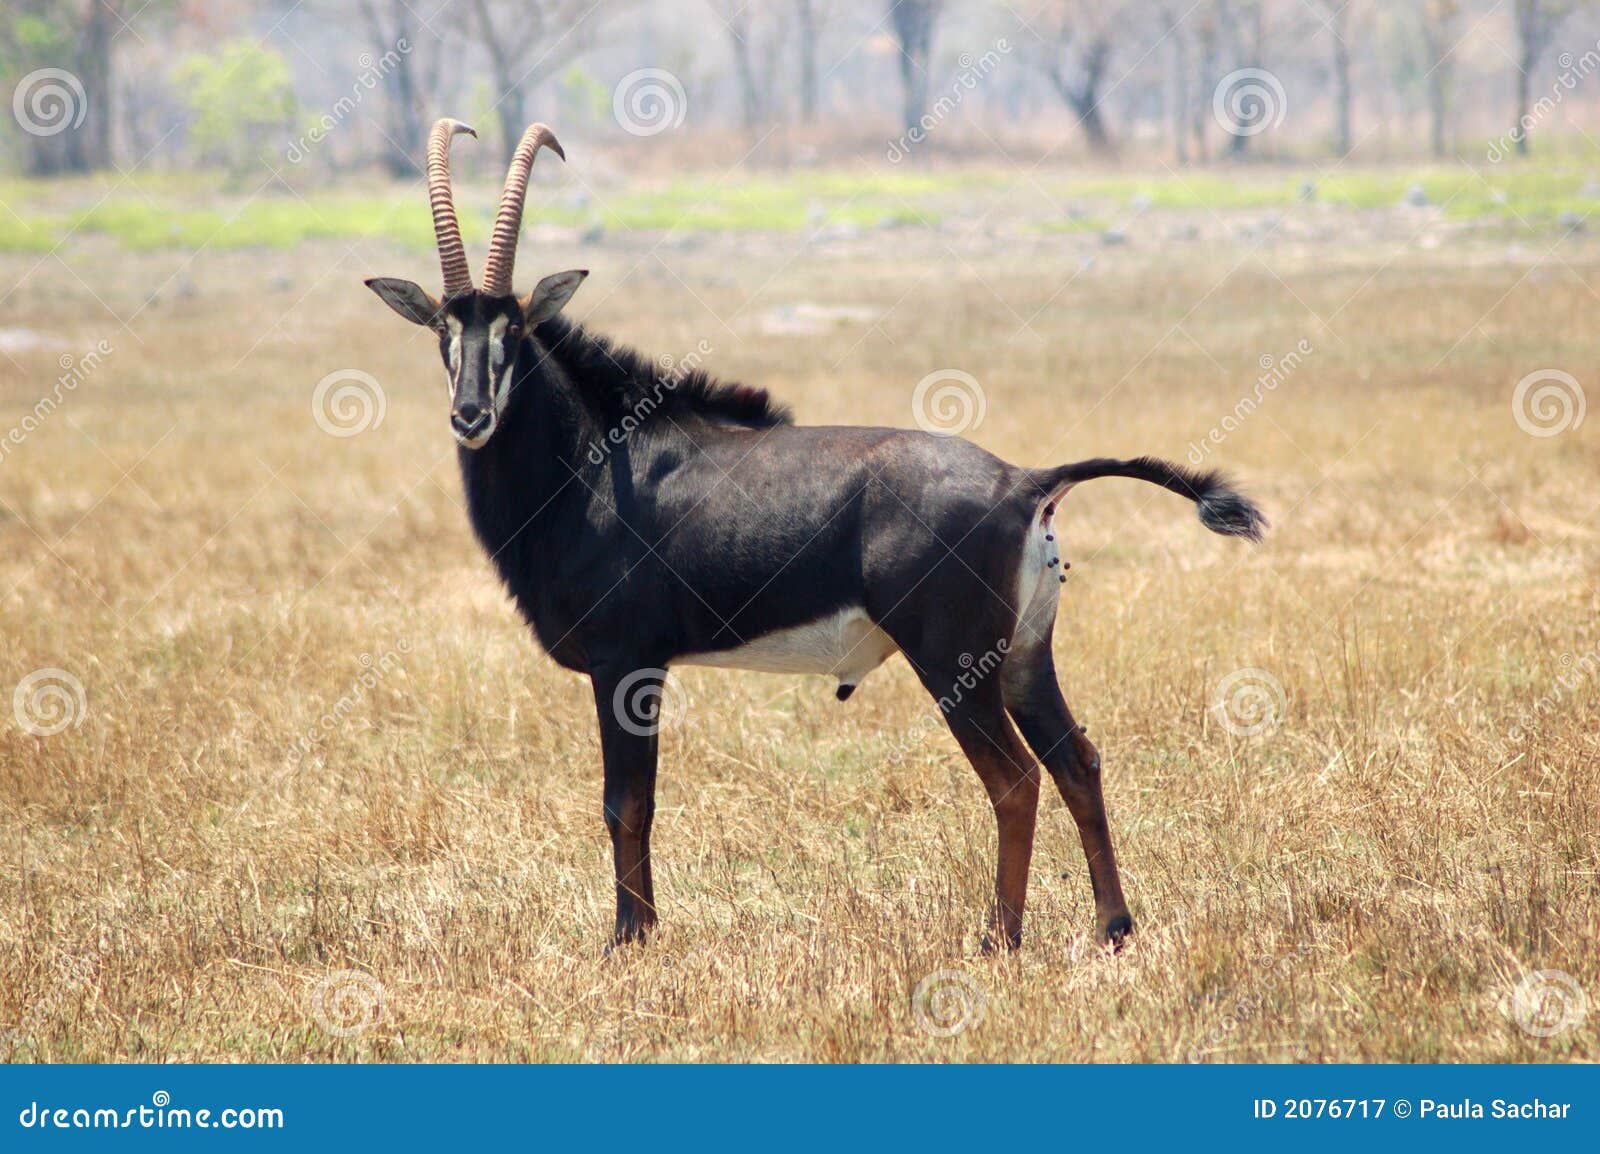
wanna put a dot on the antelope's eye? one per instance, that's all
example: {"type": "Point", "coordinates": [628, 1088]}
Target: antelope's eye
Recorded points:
{"type": "Point", "coordinates": [514, 331]}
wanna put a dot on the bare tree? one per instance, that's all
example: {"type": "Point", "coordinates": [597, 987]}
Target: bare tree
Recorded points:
{"type": "Point", "coordinates": [1077, 37]}
{"type": "Point", "coordinates": [1175, 35]}
{"type": "Point", "coordinates": [807, 32]}
{"type": "Point", "coordinates": [528, 41]}
{"type": "Point", "coordinates": [412, 85]}
{"type": "Point", "coordinates": [1341, 18]}
{"type": "Point", "coordinates": [1245, 23]}
{"type": "Point", "coordinates": [1206, 20]}
{"type": "Point", "coordinates": [756, 38]}
{"type": "Point", "coordinates": [1537, 22]}
{"type": "Point", "coordinates": [913, 22]}
{"type": "Point", "coordinates": [80, 39]}
{"type": "Point", "coordinates": [1439, 21]}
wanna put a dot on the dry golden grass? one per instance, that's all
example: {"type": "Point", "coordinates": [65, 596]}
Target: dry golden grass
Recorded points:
{"type": "Point", "coordinates": [1370, 881]}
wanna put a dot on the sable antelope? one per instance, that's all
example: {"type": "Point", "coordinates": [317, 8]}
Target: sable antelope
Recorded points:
{"type": "Point", "coordinates": [718, 532]}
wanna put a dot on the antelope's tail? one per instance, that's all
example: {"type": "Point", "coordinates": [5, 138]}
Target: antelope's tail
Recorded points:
{"type": "Point", "coordinates": [1222, 508]}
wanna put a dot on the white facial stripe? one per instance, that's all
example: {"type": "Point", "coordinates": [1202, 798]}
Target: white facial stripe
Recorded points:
{"type": "Point", "coordinates": [454, 375]}
{"type": "Point", "coordinates": [497, 340]}
{"type": "Point", "coordinates": [501, 353]}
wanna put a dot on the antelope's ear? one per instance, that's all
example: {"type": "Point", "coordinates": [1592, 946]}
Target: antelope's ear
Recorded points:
{"type": "Point", "coordinates": [407, 298]}
{"type": "Point", "coordinates": [551, 295]}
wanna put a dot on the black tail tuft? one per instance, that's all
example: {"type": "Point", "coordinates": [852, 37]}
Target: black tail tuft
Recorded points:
{"type": "Point", "coordinates": [1222, 508]}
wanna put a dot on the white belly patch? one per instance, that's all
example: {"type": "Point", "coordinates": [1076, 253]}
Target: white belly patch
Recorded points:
{"type": "Point", "coordinates": [846, 645]}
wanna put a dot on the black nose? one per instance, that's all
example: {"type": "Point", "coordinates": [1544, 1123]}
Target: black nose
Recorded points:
{"type": "Point", "coordinates": [469, 419]}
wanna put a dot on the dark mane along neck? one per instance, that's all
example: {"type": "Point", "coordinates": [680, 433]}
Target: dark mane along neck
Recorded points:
{"type": "Point", "coordinates": [615, 383]}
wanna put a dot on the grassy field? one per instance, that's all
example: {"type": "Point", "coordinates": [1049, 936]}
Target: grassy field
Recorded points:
{"type": "Point", "coordinates": [321, 797]}
{"type": "Point", "coordinates": [187, 211]}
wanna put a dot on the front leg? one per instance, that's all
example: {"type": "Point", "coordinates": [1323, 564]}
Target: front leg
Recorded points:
{"type": "Point", "coordinates": [628, 702]}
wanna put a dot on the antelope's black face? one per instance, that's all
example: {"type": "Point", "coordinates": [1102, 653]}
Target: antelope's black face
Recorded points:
{"type": "Point", "coordinates": [479, 339]}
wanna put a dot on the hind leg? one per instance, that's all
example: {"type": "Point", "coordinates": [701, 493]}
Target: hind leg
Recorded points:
{"type": "Point", "coordinates": [976, 716]}
{"type": "Point", "coordinates": [1034, 700]}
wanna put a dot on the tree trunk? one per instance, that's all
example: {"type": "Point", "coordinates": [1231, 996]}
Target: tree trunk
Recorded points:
{"type": "Point", "coordinates": [1087, 104]}
{"type": "Point", "coordinates": [509, 112]}
{"type": "Point", "coordinates": [403, 130]}
{"type": "Point", "coordinates": [1522, 82]}
{"type": "Point", "coordinates": [1248, 35]}
{"type": "Point", "coordinates": [807, 13]}
{"type": "Point", "coordinates": [1341, 95]}
{"type": "Point", "coordinates": [1200, 111]}
{"type": "Point", "coordinates": [1438, 108]}
{"type": "Point", "coordinates": [1083, 97]}
{"type": "Point", "coordinates": [86, 147]}
{"type": "Point", "coordinates": [94, 67]}
{"type": "Point", "coordinates": [740, 30]}
{"type": "Point", "coordinates": [1180, 94]}
{"type": "Point", "coordinates": [913, 22]}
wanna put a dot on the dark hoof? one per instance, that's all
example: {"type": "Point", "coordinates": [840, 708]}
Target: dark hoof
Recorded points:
{"type": "Point", "coordinates": [1117, 932]}
{"type": "Point", "coordinates": [1000, 943]}
{"type": "Point", "coordinates": [624, 938]}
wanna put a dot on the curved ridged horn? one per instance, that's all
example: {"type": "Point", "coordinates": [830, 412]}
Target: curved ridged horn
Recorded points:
{"type": "Point", "coordinates": [452, 254]}
{"type": "Point", "coordinates": [508, 223]}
